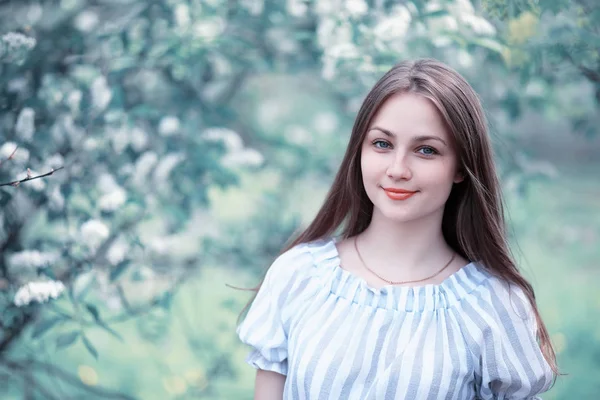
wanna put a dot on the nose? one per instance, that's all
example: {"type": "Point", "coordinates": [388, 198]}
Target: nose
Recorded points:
{"type": "Point", "coordinates": [399, 168]}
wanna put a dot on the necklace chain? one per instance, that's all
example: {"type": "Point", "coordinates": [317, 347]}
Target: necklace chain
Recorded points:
{"type": "Point", "coordinates": [401, 282]}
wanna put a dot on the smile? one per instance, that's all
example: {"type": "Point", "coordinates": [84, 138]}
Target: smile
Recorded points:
{"type": "Point", "coordinates": [398, 194]}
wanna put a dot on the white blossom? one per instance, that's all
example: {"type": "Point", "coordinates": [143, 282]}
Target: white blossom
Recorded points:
{"type": "Point", "coordinates": [144, 164]}
{"type": "Point", "coordinates": [17, 85]}
{"type": "Point", "coordinates": [113, 200]}
{"type": "Point", "coordinates": [329, 68]}
{"type": "Point", "coordinates": [535, 88]}
{"type": "Point", "coordinates": [182, 15]}
{"type": "Point", "coordinates": [25, 126]}
{"type": "Point", "coordinates": [164, 168]}
{"type": "Point", "coordinates": [21, 155]}
{"type": "Point", "coordinates": [168, 126]}
{"type": "Point", "coordinates": [326, 122]}
{"type": "Point", "coordinates": [106, 183]}
{"type": "Point", "coordinates": [91, 144]}
{"type": "Point", "coordinates": [101, 93]}
{"type": "Point", "coordinates": [297, 135]}
{"type": "Point", "coordinates": [36, 184]}
{"type": "Point", "coordinates": [94, 232]}
{"type": "Point", "coordinates": [54, 161]}
{"type": "Point", "coordinates": [254, 7]}
{"type": "Point", "coordinates": [74, 100]}
{"type": "Point", "coordinates": [14, 47]}
{"type": "Point", "coordinates": [119, 138]}
{"type": "Point", "coordinates": [56, 200]}
{"type": "Point", "coordinates": [34, 13]}
{"type": "Point", "coordinates": [30, 259]}
{"type": "Point", "coordinates": [296, 8]}
{"type": "Point", "coordinates": [243, 158]}
{"type": "Point", "coordinates": [327, 6]}
{"type": "Point", "coordinates": [73, 132]}
{"type": "Point", "coordinates": [479, 25]}
{"type": "Point", "coordinates": [231, 139]}
{"type": "Point", "coordinates": [86, 21]}
{"type": "Point", "coordinates": [117, 252]}
{"type": "Point", "coordinates": [445, 23]}
{"type": "Point", "coordinates": [40, 292]}
{"type": "Point", "coordinates": [356, 8]}
{"type": "Point", "coordinates": [138, 138]}
{"type": "Point", "coordinates": [209, 28]}
{"type": "Point", "coordinates": [17, 40]}
{"type": "Point", "coordinates": [395, 25]}
{"type": "Point", "coordinates": [113, 196]}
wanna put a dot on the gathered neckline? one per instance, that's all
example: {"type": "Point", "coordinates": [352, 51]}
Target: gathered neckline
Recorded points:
{"type": "Point", "coordinates": [406, 298]}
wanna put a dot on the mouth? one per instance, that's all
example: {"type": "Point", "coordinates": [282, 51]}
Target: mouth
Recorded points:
{"type": "Point", "coordinates": [398, 194]}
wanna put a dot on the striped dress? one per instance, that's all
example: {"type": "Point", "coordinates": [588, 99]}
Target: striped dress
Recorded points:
{"type": "Point", "coordinates": [335, 337]}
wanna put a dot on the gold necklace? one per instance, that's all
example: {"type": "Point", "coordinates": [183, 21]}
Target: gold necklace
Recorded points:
{"type": "Point", "coordinates": [404, 282]}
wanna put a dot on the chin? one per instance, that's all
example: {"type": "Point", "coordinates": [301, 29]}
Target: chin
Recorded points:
{"type": "Point", "coordinates": [398, 214]}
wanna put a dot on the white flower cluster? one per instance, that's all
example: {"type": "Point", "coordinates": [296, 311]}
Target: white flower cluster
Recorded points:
{"type": "Point", "coordinates": [237, 155]}
{"type": "Point", "coordinates": [21, 156]}
{"type": "Point", "coordinates": [169, 126]}
{"type": "Point", "coordinates": [94, 233]}
{"type": "Point", "coordinates": [113, 195]}
{"type": "Point", "coordinates": [40, 292]}
{"type": "Point", "coordinates": [37, 185]}
{"type": "Point", "coordinates": [15, 46]}
{"type": "Point", "coordinates": [25, 126]}
{"type": "Point", "coordinates": [101, 93]}
{"type": "Point", "coordinates": [143, 166]}
{"type": "Point", "coordinates": [460, 16]}
{"type": "Point", "coordinates": [30, 259]}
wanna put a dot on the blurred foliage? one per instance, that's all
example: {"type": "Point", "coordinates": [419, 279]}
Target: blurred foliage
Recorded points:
{"type": "Point", "coordinates": [197, 136]}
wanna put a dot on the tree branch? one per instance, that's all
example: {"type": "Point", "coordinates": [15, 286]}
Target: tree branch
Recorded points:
{"type": "Point", "coordinates": [29, 177]}
{"type": "Point", "coordinates": [11, 156]}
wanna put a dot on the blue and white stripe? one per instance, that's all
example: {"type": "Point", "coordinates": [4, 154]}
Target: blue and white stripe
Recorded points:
{"type": "Point", "coordinates": [335, 337]}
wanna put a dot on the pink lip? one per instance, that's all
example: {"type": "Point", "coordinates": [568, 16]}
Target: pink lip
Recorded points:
{"type": "Point", "coordinates": [398, 190]}
{"type": "Point", "coordinates": [398, 194]}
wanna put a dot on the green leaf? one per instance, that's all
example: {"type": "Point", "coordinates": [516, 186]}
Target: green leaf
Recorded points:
{"type": "Point", "coordinates": [67, 339]}
{"type": "Point", "coordinates": [110, 330]}
{"type": "Point", "coordinates": [46, 271]}
{"type": "Point", "coordinates": [45, 325]}
{"type": "Point", "coordinates": [90, 347]}
{"type": "Point", "coordinates": [119, 269]}
{"type": "Point", "coordinates": [489, 43]}
{"type": "Point", "coordinates": [166, 300]}
{"type": "Point", "coordinates": [434, 14]}
{"type": "Point", "coordinates": [94, 311]}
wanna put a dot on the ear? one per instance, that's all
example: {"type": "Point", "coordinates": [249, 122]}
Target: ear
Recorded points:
{"type": "Point", "coordinates": [459, 177]}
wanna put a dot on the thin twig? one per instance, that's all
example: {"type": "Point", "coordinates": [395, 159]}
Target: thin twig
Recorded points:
{"type": "Point", "coordinates": [30, 178]}
{"type": "Point", "coordinates": [11, 156]}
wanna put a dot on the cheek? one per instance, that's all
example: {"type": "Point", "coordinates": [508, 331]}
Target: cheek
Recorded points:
{"type": "Point", "coordinates": [439, 176]}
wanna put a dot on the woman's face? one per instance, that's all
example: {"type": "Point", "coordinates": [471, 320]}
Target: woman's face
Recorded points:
{"type": "Point", "coordinates": [408, 159]}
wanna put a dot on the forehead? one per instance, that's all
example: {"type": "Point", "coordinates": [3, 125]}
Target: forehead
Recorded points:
{"type": "Point", "coordinates": [409, 114]}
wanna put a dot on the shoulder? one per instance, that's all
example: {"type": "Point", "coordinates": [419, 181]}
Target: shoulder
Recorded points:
{"type": "Point", "coordinates": [502, 306]}
{"type": "Point", "coordinates": [295, 262]}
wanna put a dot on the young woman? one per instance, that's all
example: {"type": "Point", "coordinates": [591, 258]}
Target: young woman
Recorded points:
{"type": "Point", "coordinates": [418, 296]}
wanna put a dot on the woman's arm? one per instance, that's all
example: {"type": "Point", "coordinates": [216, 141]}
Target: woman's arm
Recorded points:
{"type": "Point", "coordinates": [269, 385]}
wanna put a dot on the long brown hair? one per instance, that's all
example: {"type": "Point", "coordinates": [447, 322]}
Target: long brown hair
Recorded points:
{"type": "Point", "coordinates": [473, 223]}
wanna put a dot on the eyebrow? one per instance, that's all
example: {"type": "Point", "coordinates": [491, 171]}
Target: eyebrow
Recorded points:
{"type": "Point", "coordinates": [418, 138]}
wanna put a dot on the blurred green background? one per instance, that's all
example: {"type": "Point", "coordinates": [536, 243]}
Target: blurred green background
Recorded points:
{"type": "Point", "coordinates": [197, 136]}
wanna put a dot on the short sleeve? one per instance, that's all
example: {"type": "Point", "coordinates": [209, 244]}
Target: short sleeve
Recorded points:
{"type": "Point", "coordinates": [511, 363]}
{"type": "Point", "coordinates": [263, 328]}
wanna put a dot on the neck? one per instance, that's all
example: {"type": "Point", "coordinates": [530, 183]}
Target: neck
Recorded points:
{"type": "Point", "coordinates": [404, 249]}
